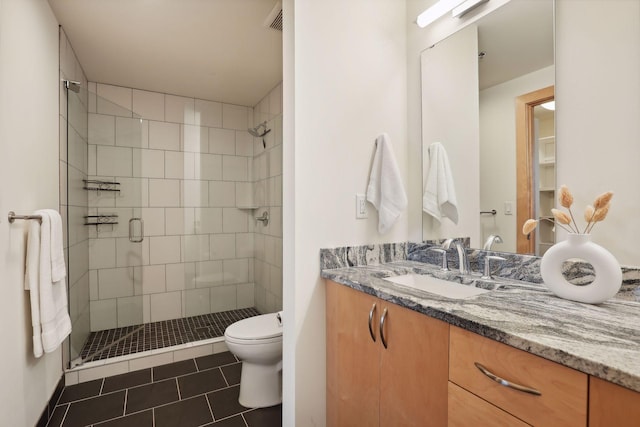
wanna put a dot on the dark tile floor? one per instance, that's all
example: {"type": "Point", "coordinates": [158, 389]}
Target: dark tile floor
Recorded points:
{"type": "Point", "coordinates": [192, 393]}
{"type": "Point", "coordinates": [151, 336]}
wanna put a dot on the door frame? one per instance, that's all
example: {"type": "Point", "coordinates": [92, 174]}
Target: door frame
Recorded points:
{"type": "Point", "coordinates": [525, 156]}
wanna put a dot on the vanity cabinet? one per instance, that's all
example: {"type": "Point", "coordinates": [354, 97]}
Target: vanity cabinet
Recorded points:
{"type": "Point", "coordinates": [368, 384]}
{"type": "Point", "coordinates": [612, 405]}
{"type": "Point", "coordinates": [541, 392]}
{"type": "Point", "coordinates": [434, 374]}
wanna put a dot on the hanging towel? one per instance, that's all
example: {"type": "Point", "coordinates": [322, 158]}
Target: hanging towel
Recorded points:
{"type": "Point", "coordinates": [385, 190]}
{"type": "Point", "coordinates": [439, 199]}
{"type": "Point", "coordinates": [58, 269]}
{"type": "Point", "coordinates": [49, 314]}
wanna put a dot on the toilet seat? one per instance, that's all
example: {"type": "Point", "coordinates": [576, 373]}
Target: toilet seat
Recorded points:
{"type": "Point", "coordinates": [258, 341]}
{"type": "Point", "coordinates": [260, 329]}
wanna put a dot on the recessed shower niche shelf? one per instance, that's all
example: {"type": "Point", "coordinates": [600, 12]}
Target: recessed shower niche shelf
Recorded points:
{"type": "Point", "coordinates": [101, 220]}
{"type": "Point", "coordinates": [97, 185]}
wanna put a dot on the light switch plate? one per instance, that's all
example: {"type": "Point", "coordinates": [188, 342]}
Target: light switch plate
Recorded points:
{"type": "Point", "coordinates": [361, 207]}
{"type": "Point", "coordinates": [508, 208]}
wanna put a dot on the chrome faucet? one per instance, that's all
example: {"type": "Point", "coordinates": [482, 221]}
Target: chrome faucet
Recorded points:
{"type": "Point", "coordinates": [493, 238]}
{"type": "Point", "coordinates": [463, 260]}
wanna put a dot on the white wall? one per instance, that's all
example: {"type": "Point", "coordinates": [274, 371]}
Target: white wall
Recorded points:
{"type": "Point", "coordinates": [28, 172]}
{"type": "Point", "coordinates": [598, 98]}
{"type": "Point", "coordinates": [498, 153]}
{"type": "Point", "coordinates": [597, 64]}
{"type": "Point", "coordinates": [350, 85]}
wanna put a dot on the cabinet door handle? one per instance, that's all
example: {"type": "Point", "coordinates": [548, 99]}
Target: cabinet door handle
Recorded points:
{"type": "Point", "coordinates": [373, 310]}
{"type": "Point", "coordinates": [506, 383]}
{"type": "Point", "coordinates": [382, 319]}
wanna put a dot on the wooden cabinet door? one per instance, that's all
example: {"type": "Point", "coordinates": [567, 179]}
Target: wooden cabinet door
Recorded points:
{"type": "Point", "coordinates": [353, 358]}
{"type": "Point", "coordinates": [414, 369]}
{"type": "Point", "coordinates": [612, 405]}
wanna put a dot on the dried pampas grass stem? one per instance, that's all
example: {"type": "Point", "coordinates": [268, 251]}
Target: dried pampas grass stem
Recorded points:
{"type": "Point", "coordinates": [592, 214]}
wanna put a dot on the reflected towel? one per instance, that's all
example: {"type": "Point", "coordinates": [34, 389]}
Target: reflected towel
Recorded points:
{"type": "Point", "coordinates": [49, 315]}
{"type": "Point", "coordinates": [385, 190]}
{"type": "Point", "coordinates": [439, 199]}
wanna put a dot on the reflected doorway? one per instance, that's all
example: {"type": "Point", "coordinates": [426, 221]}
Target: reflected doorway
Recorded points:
{"type": "Point", "coordinates": [535, 175]}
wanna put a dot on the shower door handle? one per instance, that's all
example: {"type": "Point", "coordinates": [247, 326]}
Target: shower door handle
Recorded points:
{"type": "Point", "coordinates": [131, 237]}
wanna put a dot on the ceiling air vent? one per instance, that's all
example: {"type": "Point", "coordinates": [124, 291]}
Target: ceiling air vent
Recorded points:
{"type": "Point", "coordinates": [274, 20]}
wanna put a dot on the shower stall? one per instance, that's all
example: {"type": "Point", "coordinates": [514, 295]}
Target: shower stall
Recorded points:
{"type": "Point", "coordinates": [165, 205]}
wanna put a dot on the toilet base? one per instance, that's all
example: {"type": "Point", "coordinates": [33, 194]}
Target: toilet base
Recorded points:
{"type": "Point", "coordinates": [260, 385]}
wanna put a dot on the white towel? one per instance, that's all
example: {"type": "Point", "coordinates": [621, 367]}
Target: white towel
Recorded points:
{"type": "Point", "coordinates": [58, 269]}
{"type": "Point", "coordinates": [49, 314]}
{"type": "Point", "coordinates": [385, 190]}
{"type": "Point", "coordinates": [439, 199]}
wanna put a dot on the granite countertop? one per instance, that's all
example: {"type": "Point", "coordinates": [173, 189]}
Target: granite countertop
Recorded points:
{"type": "Point", "coordinates": [602, 340]}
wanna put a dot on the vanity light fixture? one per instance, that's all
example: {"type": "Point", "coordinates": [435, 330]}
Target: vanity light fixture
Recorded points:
{"type": "Point", "coordinates": [457, 7]}
{"type": "Point", "coordinates": [436, 11]}
{"type": "Point", "coordinates": [465, 7]}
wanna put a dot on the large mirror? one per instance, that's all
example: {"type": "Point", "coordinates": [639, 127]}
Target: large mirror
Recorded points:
{"type": "Point", "coordinates": [471, 82]}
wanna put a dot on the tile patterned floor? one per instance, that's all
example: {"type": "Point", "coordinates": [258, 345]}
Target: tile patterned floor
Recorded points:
{"type": "Point", "coordinates": [151, 336]}
{"type": "Point", "coordinates": [192, 393]}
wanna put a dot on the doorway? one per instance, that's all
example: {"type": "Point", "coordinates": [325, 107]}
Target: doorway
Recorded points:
{"type": "Point", "coordinates": [535, 170]}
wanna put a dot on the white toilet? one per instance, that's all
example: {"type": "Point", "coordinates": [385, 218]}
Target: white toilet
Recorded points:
{"type": "Point", "coordinates": [257, 342]}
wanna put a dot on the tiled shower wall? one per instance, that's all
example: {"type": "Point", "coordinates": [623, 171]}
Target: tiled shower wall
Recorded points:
{"type": "Point", "coordinates": [185, 166]}
{"type": "Point", "coordinates": [268, 197]}
{"type": "Point", "coordinates": [73, 163]}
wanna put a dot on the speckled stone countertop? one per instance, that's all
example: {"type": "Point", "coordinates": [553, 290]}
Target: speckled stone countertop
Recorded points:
{"type": "Point", "coordinates": [602, 340]}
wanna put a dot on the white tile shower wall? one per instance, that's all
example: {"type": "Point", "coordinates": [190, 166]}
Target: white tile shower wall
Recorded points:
{"type": "Point", "coordinates": [267, 186]}
{"type": "Point", "coordinates": [73, 199]}
{"type": "Point", "coordinates": [184, 165]}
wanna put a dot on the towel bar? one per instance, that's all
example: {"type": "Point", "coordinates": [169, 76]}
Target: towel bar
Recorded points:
{"type": "Point", "coordinates": [491, 212]}
{"type": "Point", "coordinates": [12, 217]}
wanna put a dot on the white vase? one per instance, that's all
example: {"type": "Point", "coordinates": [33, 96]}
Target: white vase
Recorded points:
{"type": "Point", "coordinates": [608, 275]}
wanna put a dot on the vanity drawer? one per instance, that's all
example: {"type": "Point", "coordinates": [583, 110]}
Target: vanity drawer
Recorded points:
{"type": "Point", "coordinates": [466, 409]}
{"type": "Point", "coordinates": [563, 391]}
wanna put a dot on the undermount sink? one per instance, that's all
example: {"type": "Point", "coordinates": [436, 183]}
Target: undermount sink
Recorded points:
{"type": "Point", "coordinates": [437, 286]}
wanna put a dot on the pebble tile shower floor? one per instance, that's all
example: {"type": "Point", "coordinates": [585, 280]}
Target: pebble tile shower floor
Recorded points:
{"type": "Point", "coordinates": [151, 336]}
{"type": "Point", "coordinates": [193, 393]}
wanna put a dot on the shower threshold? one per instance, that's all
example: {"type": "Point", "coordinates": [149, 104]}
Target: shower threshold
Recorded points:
{"type": "Point", "coordinates": [129, 340]}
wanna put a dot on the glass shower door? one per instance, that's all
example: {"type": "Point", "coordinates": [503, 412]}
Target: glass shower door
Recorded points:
{"type": "Point", "coordinates": [74, 200]}
{"type": "Point", "coordinates": [109, 309]}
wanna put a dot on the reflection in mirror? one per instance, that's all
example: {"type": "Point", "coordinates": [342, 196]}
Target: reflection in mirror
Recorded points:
{"type": "Point", "coordinates": [513, 56]}
{"type": "Point", "coordinates": [535, 168]}
{"type": "Point", "coordinates": [544, 178]}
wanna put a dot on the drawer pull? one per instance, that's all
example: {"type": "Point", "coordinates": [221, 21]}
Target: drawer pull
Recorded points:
{"type": "Point", "coordinates": [373, 310]}
{"type": "Point", "coordinates": [506, 383]}
{"type": "Point", "coordinates": [382, 319]}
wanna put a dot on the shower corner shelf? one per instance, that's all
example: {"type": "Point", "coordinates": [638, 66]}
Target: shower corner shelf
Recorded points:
{"type": "Point", "coordinates": [98, 185]}
{"type": "Point", "coordinates": [101, 220]}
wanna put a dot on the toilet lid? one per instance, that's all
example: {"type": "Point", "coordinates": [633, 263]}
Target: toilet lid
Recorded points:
{"type": "Point", "coordinates": [255, 328]}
